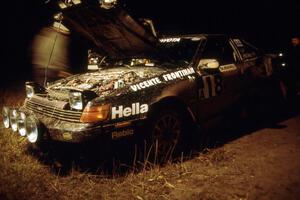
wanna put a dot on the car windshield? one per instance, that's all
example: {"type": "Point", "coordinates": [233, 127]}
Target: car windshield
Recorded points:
{"type": "Point", "coordinates": [180, 49]}
{"type": "Point", "coordinates": [173, 51]}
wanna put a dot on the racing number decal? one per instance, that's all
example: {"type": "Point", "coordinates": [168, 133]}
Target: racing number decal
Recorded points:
{"type": "Point", "coordinates": [212, 86]}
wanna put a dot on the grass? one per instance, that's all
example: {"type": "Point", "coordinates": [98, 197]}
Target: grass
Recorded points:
{"type": "Point", "coordinates": [24, 176]}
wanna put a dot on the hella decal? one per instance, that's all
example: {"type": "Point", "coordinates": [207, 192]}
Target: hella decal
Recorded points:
{"type": "Point", "coordinates": [165, 77]}
{"type": "Point", "coordinates": [135, 109]}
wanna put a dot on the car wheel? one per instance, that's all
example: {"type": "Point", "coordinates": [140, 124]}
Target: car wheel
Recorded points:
{"type": "Point", "coordinates": [165, 135]}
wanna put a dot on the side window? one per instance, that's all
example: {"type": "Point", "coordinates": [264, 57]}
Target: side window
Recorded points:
{"type": "Point", "coordinates": [219, 49]}
{"type": "Point", "coordinates": [246, 50]}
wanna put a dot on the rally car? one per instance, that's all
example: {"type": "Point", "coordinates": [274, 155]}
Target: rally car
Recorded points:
{"type": "Point", "coordinates": [144, 87]}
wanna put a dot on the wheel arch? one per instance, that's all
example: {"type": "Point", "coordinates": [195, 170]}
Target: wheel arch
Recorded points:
{"type": "Point", "coordinates": [173, 102]}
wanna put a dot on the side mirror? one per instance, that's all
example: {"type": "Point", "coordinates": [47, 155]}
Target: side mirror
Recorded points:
{"type": "Point", "coordinates": [209, 64]}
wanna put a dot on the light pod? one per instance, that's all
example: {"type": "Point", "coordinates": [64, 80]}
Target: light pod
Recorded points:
{"type": "Point", "coordinates": [5, 116]}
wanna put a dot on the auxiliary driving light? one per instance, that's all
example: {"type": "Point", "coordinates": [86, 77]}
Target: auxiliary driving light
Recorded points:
{"type": "Point", "coordinates": [108, 4]}
{"type": "Point", "coordinates": [13, 116]}
{"type": "Point", "coordinates": [22, 123]}
{"type": "Point", "coordinates": [32, 129]}
{"type": "Point", "coordinates": [5, 116]}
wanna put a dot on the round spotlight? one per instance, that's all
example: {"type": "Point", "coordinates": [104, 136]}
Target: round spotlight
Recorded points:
{"type": "Point", "coordinates": [32, 129]}
{"type": "Point", "coordinates": [13, 116]}
{"type": "Point", "coordinates": [22, 123]}
{"type": "Point", "coordinates": [5, 116]}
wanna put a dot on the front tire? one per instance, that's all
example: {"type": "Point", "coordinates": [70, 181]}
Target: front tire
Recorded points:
{"type": "Point", "coordinates": [165, 135]}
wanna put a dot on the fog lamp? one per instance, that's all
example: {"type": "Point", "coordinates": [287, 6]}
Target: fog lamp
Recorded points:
{"type": "Point", "coordinates": [32, 129]}
{"type": "Point", "coordinates": [5, 116]}
{"type": "Point", "coordinates": [22, 123]}
{"type": "Point", "coordinates": [13, 116]}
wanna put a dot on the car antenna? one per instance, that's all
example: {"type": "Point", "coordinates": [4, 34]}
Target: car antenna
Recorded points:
{"type": "Point", "coordinates": [51, 53]}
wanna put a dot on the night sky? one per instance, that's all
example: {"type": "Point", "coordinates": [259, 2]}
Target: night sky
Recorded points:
{"type": "Point", "coordinates": [267, 24]}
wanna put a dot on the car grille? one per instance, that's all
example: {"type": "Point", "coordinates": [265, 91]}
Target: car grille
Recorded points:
{"type": "Point", "coordinates": [53, 109]}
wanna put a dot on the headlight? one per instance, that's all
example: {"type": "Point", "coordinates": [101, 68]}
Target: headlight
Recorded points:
{"type": "Point", "coordinates": [22, 123]}
{"type": "Point", "coordinates": [75, 99]}
{"type": "Point", "coordinates": [5, 116]}
{"type": "Point", "coordinates": [32, 129]}
{"type": "Point", "coordinates": [13, 116]}
{"type": "Point", "coordinates": [29, 91]}
{"type": "Point", "coordinates": [94, 113]}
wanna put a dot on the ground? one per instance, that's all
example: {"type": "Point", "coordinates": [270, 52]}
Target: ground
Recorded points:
{"type": "Point", "coordinates": [251, 162]}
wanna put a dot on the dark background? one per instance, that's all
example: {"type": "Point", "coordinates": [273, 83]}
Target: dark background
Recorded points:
{"type": "Point", "coordinates": [267, 24]}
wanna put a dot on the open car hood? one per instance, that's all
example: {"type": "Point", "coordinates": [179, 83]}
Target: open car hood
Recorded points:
{"type": "Point", "coordinates": [112, 31]}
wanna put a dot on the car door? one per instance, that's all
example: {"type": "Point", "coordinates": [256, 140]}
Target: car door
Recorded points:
{"type": "Point", "coordinates": [253, 69]}
{"type": "Point", "coordinates": [221, 85]}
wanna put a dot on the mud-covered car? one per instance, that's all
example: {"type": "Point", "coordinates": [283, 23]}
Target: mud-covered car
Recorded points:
{"type": "Point", "coordinates": [145, 87]}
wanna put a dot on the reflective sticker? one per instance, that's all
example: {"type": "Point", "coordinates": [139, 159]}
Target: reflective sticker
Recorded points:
{"type": "Point", "coordinates": [228, 68]}
{"type": "Point", "coordinates": [122, 133]}
{"type": "Point", "coordinates": [135, 109]}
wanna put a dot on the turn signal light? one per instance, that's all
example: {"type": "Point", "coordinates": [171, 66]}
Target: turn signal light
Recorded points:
{"type": "Point", "coordinates": [95, 113]}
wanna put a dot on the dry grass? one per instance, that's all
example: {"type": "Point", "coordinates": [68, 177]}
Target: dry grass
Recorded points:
{"type": "Point", "coordinates": [23, 176]}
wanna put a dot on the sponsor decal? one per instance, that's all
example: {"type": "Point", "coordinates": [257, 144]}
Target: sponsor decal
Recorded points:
{"type": "Point", "coordinates": [166, 40]}
{"type": "Point", "coordinates": [228, 68]}
{"type": "Point", "coordinates": [212, 86]}
{"type": "Point", "coordinates": [178, 74]}
{"type": "Point", "coordinates": [122, 133]}
{"type": "Point", "coordinates": [165, 77]}
{"type": "Point", "coordinates": [135, 109]}
{"type": "Point", "coordinates": [145, 84]}
{"type": "Point", "coordinates": [238, 42]}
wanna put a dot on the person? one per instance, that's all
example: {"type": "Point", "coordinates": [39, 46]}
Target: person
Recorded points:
{"type": "Point", "coordinates": [293, 61]}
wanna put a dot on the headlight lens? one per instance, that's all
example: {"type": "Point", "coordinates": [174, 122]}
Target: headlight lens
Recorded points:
{"type": "Point", "coordinates": [75, 99]}
{"type": "Point", "coordinates": [22, 123]}
{"type": "Point", "coordinates": [31, 129]}
{"type": "Point", "coordinates": [13, 116]}
{"type": "Point", "coordinates": [29, 91]}
{"type": "Point", "coordinates": [94, 113]}
{"type": "Point", "coordinates": [5, 116]}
